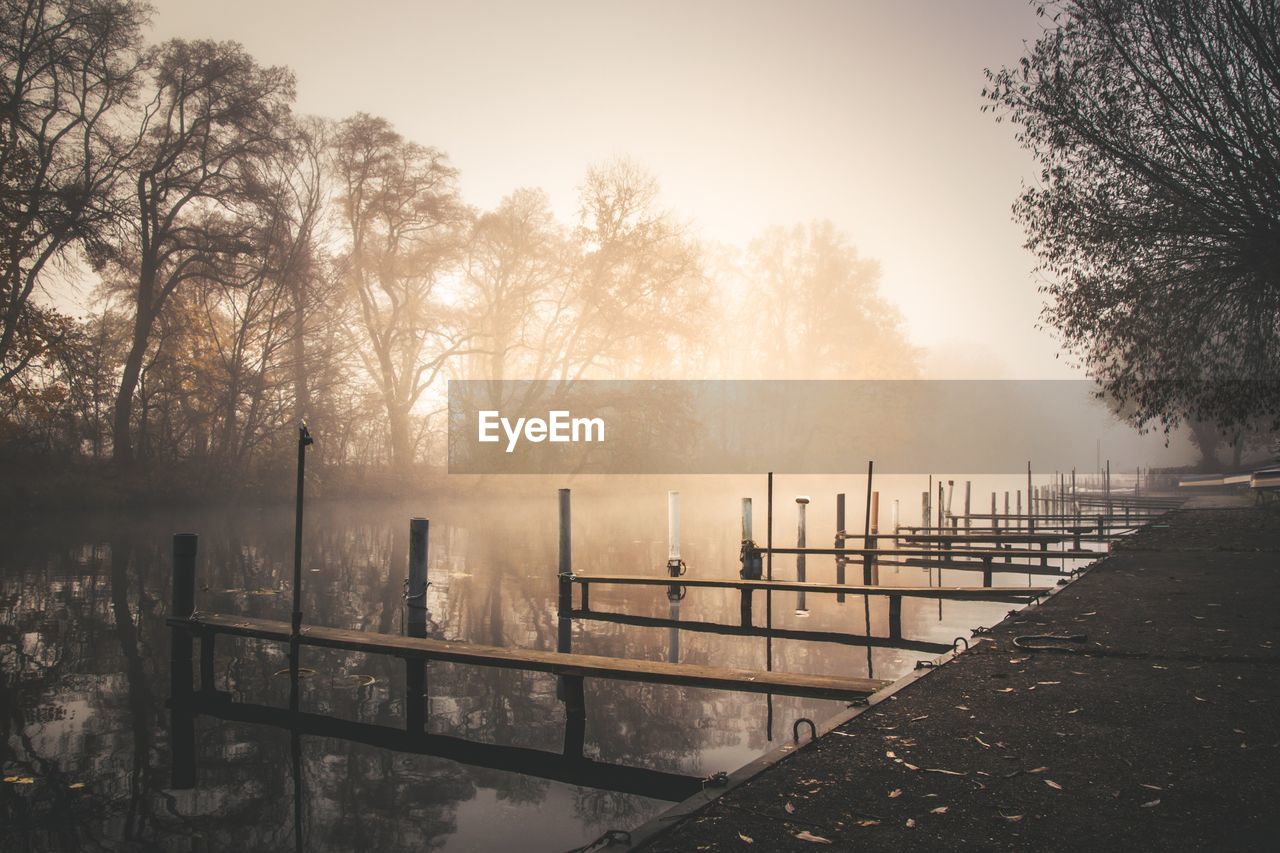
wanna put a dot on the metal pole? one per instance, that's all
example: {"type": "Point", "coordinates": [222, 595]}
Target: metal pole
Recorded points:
{"type": "Point", "coordinates": [802, 503]}
{"type": "Point", "coordinates": [304, 441]}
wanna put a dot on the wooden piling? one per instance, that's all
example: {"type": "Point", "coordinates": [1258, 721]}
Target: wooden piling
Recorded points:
{"type": "Point", "coordinates": [840, 531]}
{"type": "Point", "coordinates": [968, 490]}
{"type": "Point", "coordinates": [873, 537]}
{"type": "Point", "coordinates": [416, 626]}
{"type": "Point", "coordinates": [564, 633]}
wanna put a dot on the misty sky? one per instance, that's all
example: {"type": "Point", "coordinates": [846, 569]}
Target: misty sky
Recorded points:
{"type": "Point", "coordinates": [749, 113]}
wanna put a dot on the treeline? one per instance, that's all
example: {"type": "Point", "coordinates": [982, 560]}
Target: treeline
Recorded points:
{"type": "Point", "coordinates": [248, 267]}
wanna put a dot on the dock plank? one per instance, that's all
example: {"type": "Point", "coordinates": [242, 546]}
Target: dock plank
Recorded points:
{"type": "Point", "coordinates": [558, 663]}
{"type": "Point", "coordinates": [957, 593]}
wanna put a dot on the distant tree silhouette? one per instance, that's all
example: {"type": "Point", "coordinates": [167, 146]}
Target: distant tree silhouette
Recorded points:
{"type": "Point", "coordinates": [1156, 217]}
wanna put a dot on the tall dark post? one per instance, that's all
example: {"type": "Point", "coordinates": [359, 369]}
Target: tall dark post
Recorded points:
{"type": "Point", "coordinates": [416, 626]}
{"type": "Point", "coordinates": [295, 640]}
{"type": "Point", "coordinates": [564, 576]}
{"type": "Point", "coordinates": [181, 699]}
{"type": "Point", "coordinates": [840, 560]}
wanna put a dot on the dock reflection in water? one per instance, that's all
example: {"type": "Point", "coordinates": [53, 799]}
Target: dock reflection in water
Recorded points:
{"type": "Point", "coordinates": [85, 673]}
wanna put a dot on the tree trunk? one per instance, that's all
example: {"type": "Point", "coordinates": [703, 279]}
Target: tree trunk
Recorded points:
{"type": "Point", "coordinates": [401, 441]}
{"type": "Point", "coordinates": [122, 425]}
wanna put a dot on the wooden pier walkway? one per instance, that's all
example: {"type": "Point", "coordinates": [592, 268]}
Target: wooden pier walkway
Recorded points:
{"type": "Point", "coordinates": [557, 663]}
{"type": "Point", "coordinates": [950, 593]}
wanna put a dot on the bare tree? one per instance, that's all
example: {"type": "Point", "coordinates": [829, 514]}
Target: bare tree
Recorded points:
{"type": "Point", "coordinates": [215, 122]}
{"type": "Point", "coordinates": [1156, 217]}
{"type": "Point", "coordinates": [638, 293]}
{"type": "Point", "coordinates": [813, 308]}
{"type": "Point", "coordinates": [66, 66]}
{"type": "Point", "coordinates": [404, 225]}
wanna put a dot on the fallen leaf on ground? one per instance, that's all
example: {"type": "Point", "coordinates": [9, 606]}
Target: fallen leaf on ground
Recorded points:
{"type": "Point", "coordinates": [20, 780]}
{"type": "Point", "coordinates": [985, 745]}
{"type": "Point", "coordinates": [1075, 710]}
{"type": "Point", "coordinates": [1150, 804]}
{"type": "Point", "coordinates": [939, 810]}
{"type": "Point", "coordinates": [895, 793]}
{"type": "Point", "coordinates": [790, 808]}
{"type": "Point", "coordinates": [1012, 818]}
{"type": "Point", "coordinates": [746, 839]}
{"type": "Point", "coordinates": [1038, 770]}
{"type": "Point", "coordinates": [1005, 690]}
{"type": "Point", "coordinates": [1152, 787]}
{"type": "Point", "coordinates": [806, 835]}
{"type": "Point", "coordinates": [911, 823]}
{"type": "Point", "coordinates": [1052, 784]}
{"type": "Point", "coordinates": [76, 786]}
{"type": "Point", "coordinates": [919, 718]}
{"type": "Point", "coordinates": [909, 766]}
{"type": "Point", "coordinates": [944, 772]}
{"type": "Point", "coordinates": [868, 823]}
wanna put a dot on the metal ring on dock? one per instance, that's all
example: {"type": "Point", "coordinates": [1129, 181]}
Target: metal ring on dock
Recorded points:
{"type": "Point", "coordinates": [957, 641]}
{"type": "Point", "coordinates": [795, 729]}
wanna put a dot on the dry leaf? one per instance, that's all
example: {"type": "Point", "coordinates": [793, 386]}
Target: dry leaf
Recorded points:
{"type": "Point", "coordinates": [895, 793]}
{"type": "Point", "coordinates": [939, 810]}
{"type": "Point", "coordinates": [20, 780]}
{"type": "Point", "coordinates": [76, 786]}
{"type": "Point", "coordinates": [919, 718]}
{"type": "Point", "coordinates": [868, 823]}
{"type": "Point", "coordinates": [911, 823]}
{"type": "Point", "coordinates": [1152, 787]}
{"type": "Point", "coordinates": [746, 839]}
{"type": "Point", "coordinates": [890, 754]}
{"type": "Point", "coordinates": [1012, 818]}
{"type": "Point", "coordinates": [790, 808]}
{"type": "Point", "coordinates": [1052, 784]}
{"type": "Point", "coordinates": [806, 835]}
{"type": "Point", "coordinates": [985, 745]}
{"type": "Point", "coordinates": [1075, 710]}
{"type": "Point", "coordinates": [1005, 690]}
{"type": "Point", "coordinates": [1150, 804]}
{"type": "Point", "coordinates": [909, 766]}
{"type": "Point", "coordinates": [1038, 770]}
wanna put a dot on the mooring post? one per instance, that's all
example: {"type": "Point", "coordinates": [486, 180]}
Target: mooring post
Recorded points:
{"type": "Point", "coordinates": [874, 540]}
{"type": "Point", "coordinates": [840, 540]}
{"type": "Point", "coordinates": [564, 635]}
{"type": "Point", "coordinates": [802, 503]}
{"type": "Point", "coordinates": [750, 558]}
{"type": "Point", "coordinates": [986, 571]}
{"type": "Point", "coordinates": [967, 490]}
{"type": "Point", "coordinates": [895, 617]}
{"type": "Point", "coordinates": [925, 512]}
{"type": "Point", "coordinates": [416, 626]}
{"type": "Point", "coordinates": [895, 523]}
{"type": "Point", "coordinates": [182, 725]}
{"type": "Point", "coordinates": [675, 566]}
{"type": "Point", "coordinates": [995, 519]}
{"type": "Point", "coordinates": [1031, 502]}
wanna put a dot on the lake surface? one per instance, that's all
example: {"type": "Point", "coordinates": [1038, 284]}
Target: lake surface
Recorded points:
{"type": "Point", "coordinates": [85, 671]}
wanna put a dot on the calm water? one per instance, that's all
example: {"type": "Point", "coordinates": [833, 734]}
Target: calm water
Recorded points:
{"type": "Point", "coordinates": [84, 666]}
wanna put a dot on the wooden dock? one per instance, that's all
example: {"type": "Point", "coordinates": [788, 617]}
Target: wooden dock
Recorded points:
{"type": "Point", "coordinates": [949, 593]}
{"type": "Point", "coordinates": [558, 663]}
